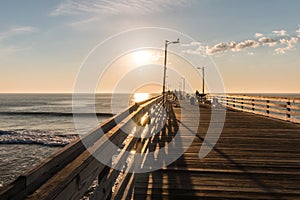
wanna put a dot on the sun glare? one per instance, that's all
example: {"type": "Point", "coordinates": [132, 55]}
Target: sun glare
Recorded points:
{"type": "Point", "coordinates": [142, 57]}
{"type": "Point", "coordinates": [138, 97]}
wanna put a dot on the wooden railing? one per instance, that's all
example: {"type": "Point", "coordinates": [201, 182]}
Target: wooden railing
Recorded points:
{"type": "Point", "coordinates": [287, 109]}
{"type": "Point", "coordinates": [69, 173]}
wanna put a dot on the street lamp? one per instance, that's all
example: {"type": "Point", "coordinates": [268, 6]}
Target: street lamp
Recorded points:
{"type": "Point", "coordinates": [183, 85]}
{"type": "Point", "coordinates": [165, 67]}
{"type": "Point", "coordinates": [203, 94]}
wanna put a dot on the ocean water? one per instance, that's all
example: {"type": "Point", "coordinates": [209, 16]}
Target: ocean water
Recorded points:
{"type": "Point", "coordinates": [34, 126]}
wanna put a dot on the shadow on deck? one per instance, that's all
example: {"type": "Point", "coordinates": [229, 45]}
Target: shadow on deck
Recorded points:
{"type": "Point", "coordinates": [255, 158]}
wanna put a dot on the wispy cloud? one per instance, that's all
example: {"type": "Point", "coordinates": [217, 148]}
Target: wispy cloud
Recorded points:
{"type": "Point", "coordinates": [298, 32]}
{"type": "Point", "coordinates": [5, 51]}
{"type": "Point", "coordinates": [268, 41]}
{"type": "Point", "coordinates": [86, 13]}
{"type": "Point", "coordinates": [192, 44]}
{"type": "Point", "coordinates": [290, 45]}
{"type": "Point", "coordinates": [193, 48]}
{"type": "Point", "coordinates": [232, 46]}
{"type": "Point", "coordinates": [246, 44]}
{"type": "Point", "coordinates": [117, 7]}
{"type": "Point", "coordinates": [196, 48]}
{"type": "Point", "coordinates": [17, 30]}
{"type": "Point", "coordinates": [281, 32]}
{"type": "Point", "coordinates": [9, 49]}
{"type": "Point", "coordinates": [219, 47]}
{"type": "Point", "coordinates": [259, 35]}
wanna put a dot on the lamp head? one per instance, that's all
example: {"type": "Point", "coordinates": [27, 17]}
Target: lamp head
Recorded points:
{"type": "Point", "coordinates": [175, 42]}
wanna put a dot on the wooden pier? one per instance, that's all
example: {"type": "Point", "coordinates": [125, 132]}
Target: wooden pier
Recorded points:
{"type": "Point", "coordinates": [256, 157]}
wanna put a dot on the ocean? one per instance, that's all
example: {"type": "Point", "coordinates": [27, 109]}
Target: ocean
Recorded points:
{"type": "Point", "coordinates": [34, 126]}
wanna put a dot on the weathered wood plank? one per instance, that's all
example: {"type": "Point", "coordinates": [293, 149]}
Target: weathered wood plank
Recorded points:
{"type": "Point", "coordinates": [255, 158]}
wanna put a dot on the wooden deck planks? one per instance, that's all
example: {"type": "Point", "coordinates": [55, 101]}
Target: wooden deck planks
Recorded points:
{"type": "Point", "coordinates": [255, 158]}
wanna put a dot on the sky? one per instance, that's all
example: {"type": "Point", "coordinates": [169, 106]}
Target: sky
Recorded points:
{"type": "Point", "coordinates": [253, 45]}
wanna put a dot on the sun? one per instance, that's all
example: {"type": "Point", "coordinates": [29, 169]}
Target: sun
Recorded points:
{"type": "Point", "coordinates": [142, 57]}
{"type": "Point", "coordinates": [138, 97]}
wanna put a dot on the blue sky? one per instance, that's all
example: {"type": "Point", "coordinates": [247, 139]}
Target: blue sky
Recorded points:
{"type": "Point", "coordinates": [253, 43]}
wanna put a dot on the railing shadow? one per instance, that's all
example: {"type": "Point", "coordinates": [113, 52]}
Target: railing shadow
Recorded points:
{"type": "Point", "coordinates": [158, 184]}
{"type": "Point", "coordinates": [269, 191]}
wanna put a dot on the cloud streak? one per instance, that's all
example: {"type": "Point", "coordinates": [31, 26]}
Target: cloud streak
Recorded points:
{"type": "Point", "coordinates": [11, 33]}
{"type": "Point", "coordinates": [117, 7]}
{"type": "Point", "coordinates": [5, 51]}
{"type": "Point", "coordinates": [17, 30]}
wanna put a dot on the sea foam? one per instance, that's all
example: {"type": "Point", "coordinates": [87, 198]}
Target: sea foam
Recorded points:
{"type": "Point", "coordinates": [37, 137]}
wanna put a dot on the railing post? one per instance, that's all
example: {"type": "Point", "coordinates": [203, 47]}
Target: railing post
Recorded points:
{"type": "Point", "coordinates": [253, 105]}
{"type": "Point", "coordinates": [288, 109]}
{"type": "Point", "coordinates": [242, 102]}
{"type": "Point", "coordinates": [233, 102]}
{"type": "Point", "coordinates": [268, 108]}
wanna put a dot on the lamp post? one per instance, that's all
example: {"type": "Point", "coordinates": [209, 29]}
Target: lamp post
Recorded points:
{"type": "Point", "coordinates": [165, 67]}
{"type": "Point", "coordinates": [203, 93]}
{"type": "Point", "coordinates": [183, 85]}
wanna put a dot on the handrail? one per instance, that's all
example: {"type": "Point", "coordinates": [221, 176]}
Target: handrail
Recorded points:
{"type": "Point", "coordinates": [74, 163]}
{"type": "Point", "coordinates": [124, 190]}
{"type": "Point", "coordinates": [283, 108]}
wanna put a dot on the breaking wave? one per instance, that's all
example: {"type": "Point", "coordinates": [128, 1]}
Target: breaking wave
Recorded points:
{"type": "Point", "coordinates": [37, 137]}
{"type": "Point", "coordinates": [54, 113]}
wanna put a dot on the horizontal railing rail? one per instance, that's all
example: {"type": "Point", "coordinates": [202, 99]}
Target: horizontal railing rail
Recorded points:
{"type": "Point", "coordinates": [287, 109]}
{"type": "Point", "coordinates": [70, 172]}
